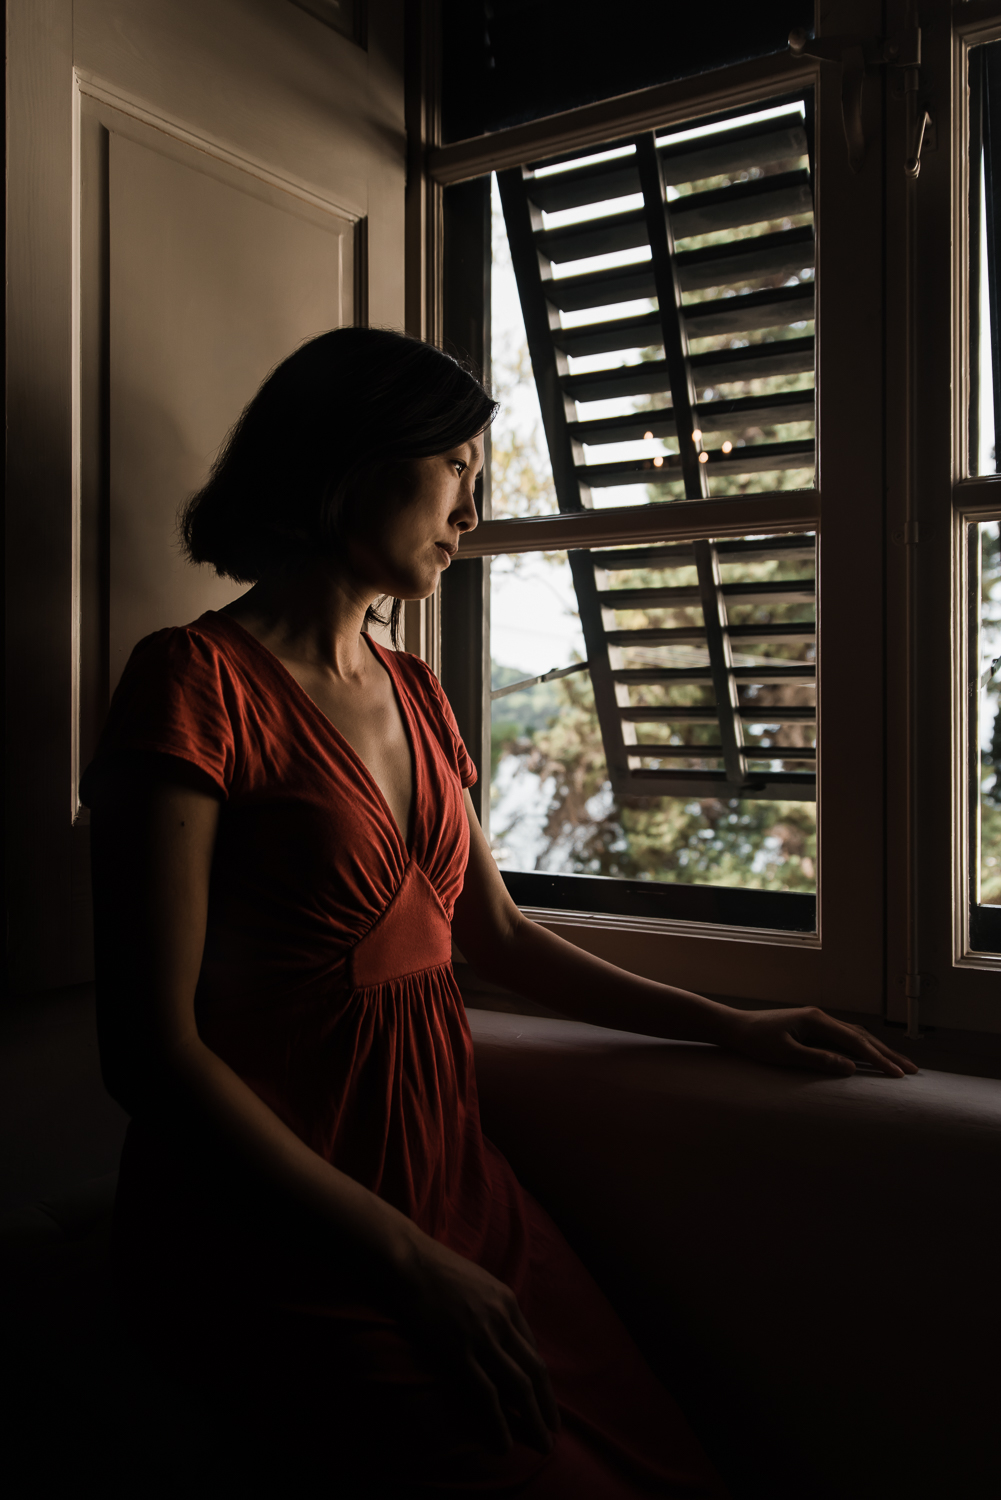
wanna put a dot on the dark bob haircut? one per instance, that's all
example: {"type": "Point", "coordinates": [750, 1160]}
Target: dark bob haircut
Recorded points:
{"type": "Point", "coordinates": [306, 454]}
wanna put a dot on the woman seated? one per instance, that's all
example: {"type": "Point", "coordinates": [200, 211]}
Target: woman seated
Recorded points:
{"type": "Point", "coordinates": [309, 1217]}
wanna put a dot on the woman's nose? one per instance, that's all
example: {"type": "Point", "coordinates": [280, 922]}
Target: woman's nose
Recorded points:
{"type": "Point", "coordinates": [465, 516]}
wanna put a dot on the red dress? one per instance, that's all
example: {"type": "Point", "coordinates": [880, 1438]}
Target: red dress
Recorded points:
{"type": "Point", "coordinates": [327, 986]}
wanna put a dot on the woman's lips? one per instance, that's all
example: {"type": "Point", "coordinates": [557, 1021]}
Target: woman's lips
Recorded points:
{"type": "Point", "coordinates": [447, 552]}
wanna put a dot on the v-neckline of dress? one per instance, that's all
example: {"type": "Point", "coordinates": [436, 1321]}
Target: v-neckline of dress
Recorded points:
{"type": "Point", "coordinates": [408, 845]}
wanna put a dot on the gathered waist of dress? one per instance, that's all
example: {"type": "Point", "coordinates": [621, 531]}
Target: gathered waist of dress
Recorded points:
{"type": "Point", "coordinates": [413, 934]}
{"type": "Point", "coordinates": [268, 969]}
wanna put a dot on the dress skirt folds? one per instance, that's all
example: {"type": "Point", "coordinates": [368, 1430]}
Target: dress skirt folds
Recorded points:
{"type": "Point", "coordinates": [327, 985]}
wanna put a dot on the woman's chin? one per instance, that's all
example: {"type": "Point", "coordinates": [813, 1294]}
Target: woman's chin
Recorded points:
{"type": "Point", "coordinates": [413, 592]}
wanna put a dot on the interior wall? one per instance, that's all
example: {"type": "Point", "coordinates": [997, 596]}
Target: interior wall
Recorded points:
{"type": "Point", "coordinates": [192, 190]}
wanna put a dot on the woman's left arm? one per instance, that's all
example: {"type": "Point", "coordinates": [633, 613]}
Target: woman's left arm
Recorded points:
{"type": "Point", "coordinates": [504, 946]}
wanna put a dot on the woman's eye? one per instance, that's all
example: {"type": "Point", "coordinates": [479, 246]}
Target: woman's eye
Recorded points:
{"type": "Point", "coordinates": [462, 467]}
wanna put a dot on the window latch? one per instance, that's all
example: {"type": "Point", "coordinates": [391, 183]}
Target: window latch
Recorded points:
{"type": "Point", "coordinates": [856, 54]}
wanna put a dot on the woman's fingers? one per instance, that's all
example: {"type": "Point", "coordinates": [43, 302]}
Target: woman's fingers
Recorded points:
{"type": "Point", "coordinates": [897, 1058]}
{"type": "Point", "coordinates": [850, 1044]}
{"type": "Point", "coordinates": [474, 1320]}
{"type": "Point", "coordinates": [855, 1048]}
{"type": "Point", "coordinates": [808, 1038]}
{"type": "Point", "coordinates": [861, 1045]}
{"type": "Point", "coordinates": [519, 1396]}
{"type": "Point", "coordinates": [489, 1400]}
{"type": "Point", "coordinates": [816, 1060]}
{"type": "Point", "coordinates": [508, 1396]}
{"type": "Point", "coordinates": [536, 1366]}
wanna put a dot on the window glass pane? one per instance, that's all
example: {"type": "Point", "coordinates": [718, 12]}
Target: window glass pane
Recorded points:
{"type": "Point", "coordinates": [739, 207]}
{"type": "Point", "coordinates": [620, 772]}
{"type": "Point", "coordinates": [985, 255]}
{"type": "Point", "coordinates": [985, 571]}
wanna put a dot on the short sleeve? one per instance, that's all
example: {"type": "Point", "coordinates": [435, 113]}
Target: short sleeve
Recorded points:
{"type": "Point", "coordinates": [433, 688]}
{"type": "Point", "coordinates": [176, 697]}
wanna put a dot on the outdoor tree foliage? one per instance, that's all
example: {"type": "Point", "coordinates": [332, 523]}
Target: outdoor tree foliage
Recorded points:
{"type": "Point", "coordinates": [767, 845]}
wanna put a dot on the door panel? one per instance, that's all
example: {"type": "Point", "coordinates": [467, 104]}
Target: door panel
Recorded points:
{"type": "Point", "coordinates": [275, 90]}
{"type": "Point", "coordinates": [210, 286]}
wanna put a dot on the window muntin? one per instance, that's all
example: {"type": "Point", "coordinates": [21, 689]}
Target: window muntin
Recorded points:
{"type": "Point", "coordinates": [739, 207]}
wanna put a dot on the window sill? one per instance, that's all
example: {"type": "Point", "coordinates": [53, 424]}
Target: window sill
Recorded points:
{"type": "Point", "coordinates": [968, 1054]}
{"type": "Point", "coordinates": [582, 921]}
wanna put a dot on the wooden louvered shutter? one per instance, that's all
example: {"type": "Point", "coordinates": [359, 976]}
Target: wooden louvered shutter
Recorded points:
{"type": "Point", "coordinates": [700, 293]}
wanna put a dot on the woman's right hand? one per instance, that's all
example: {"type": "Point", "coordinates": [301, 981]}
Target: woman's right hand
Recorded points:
{"type": "Point", "coordinates": [462, 1314]}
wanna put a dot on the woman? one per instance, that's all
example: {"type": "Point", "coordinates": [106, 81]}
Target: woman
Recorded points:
{"type": "Point", "coordinates": [283, 848]}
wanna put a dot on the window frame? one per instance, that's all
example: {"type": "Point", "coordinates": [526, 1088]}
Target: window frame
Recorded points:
{"type": "Point", "coordinates": [934, 979]}
{"type": "Point", "coordinates": [842, 965]}
{"type": "Point", "coordinates": [975, 498]}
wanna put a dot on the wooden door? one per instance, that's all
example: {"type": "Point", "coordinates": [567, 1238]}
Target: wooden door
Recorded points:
{"type": "Point", "coordinates": [193, 191]}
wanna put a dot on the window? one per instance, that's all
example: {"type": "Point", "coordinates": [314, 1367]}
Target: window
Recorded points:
{"type": "Point", "coordinates": [981, 584]}
{"type": "Point", "coordinates": [943, 504]}
{"type": "Point", "coordinates": [663, 291]}
{"type": "Point", "coordinates": [654, 525]}
{"type": "Point", "coordinates": [698, 445]}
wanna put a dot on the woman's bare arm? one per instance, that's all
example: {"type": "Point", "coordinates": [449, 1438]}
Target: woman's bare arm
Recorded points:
{"type": "Point", "coordinates": [504, 946]}
{"type": "Point", "coordinates": [153, 842]}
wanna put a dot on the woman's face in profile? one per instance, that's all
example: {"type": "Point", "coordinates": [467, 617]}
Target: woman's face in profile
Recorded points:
{"type": "Point", "coordinates": [418, 514]}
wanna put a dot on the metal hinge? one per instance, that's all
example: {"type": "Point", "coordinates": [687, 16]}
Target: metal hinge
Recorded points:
{"type": "Point", "coordinates": [855, 54]}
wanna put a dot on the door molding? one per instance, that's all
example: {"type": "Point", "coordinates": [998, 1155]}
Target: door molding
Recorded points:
{"type": "Point", "coordinates": [88, 85]}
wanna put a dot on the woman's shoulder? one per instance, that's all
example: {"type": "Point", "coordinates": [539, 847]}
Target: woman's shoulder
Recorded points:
{"type": "Point", "coordinates": [414, 668]}
{"type": "Point", "coordinates": [420, 679]}
{"type": "Point", "coordinates": [178, 696]}
{"type": "Point", "coordinates": [205, 638]}
{"type": "Point", "coordinates": [208, 656]}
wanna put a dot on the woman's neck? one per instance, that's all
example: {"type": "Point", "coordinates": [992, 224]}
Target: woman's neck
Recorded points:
{"type": "Point", "coordinates": [311, 616]}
